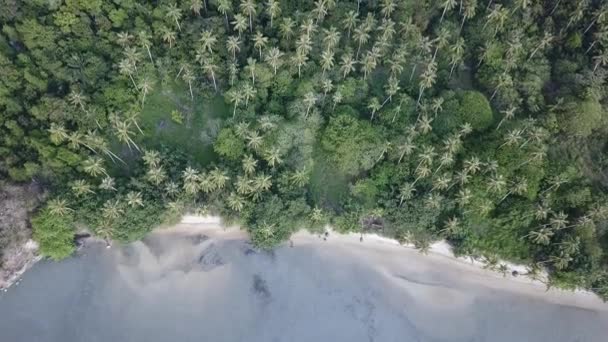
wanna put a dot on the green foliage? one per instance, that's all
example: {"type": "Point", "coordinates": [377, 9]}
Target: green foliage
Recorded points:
{"type": "Point", "coordinates": [229, 145]}
{"type": "Point", "coordinates": [581, 118]}
{"type": "Point", "coordinates": [475, 109]}
{"type": "Point", "coordinates": [54, 234]}
{"type": "Point", "coordinates": [345, 132]}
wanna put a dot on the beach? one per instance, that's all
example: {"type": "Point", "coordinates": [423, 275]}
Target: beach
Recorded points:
{"type": "Point", "coordinates": [200, 281]}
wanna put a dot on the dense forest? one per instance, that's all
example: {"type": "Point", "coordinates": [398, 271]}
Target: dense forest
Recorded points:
{"type": "Point", "coordinates": [482, 122]}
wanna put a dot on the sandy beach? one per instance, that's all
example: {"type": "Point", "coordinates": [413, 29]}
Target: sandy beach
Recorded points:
{"type": "Point", "coordinates": [198, 281]}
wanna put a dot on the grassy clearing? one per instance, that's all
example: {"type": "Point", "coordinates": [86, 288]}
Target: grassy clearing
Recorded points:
{"type": "Point", "coordinates": [201, 121]}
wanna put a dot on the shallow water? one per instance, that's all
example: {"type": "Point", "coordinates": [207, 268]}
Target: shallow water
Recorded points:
{"type": "Point", "coordinates": [176, 288]}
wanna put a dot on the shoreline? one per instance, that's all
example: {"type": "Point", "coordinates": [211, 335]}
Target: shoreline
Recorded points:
{"type": "Point", "coordinates": [439, 253]}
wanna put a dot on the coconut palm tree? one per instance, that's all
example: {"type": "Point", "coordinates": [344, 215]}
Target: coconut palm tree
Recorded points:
{"type": "Point", "coordinates": [308, 27]}
{"type": "Point", "coordinates": [81, 187]}
{"type": "Point", "coordinates": [327, 86]}
{"type": "Point", "coordinates": [236, 97]}
{"type": "Point", "coordinates": [374, 106]}
{"type": "Point", "coordinates": [441, 183]}
{"type": "Point", "coordinates": [469, 9]}
{"type": "Point", "coordinates": [239, 23]}
{"type": "Point", "coordinates": [151, 158]}
{"type": "Point", "coordinates": [310, 99]}
{"type": "Point", "coordinates": [451, 226]}
{"type": "Point", "coordinates": [327, 61]}
{"type": "Point", "coordinates": [235, 202]}
{"type": "Point", "coordinates": [543, 44]}
{"type": "Point", "coordinates": [259, 42]}
{"type": "Point", "coordinates": [405, 149]}
{"type": "Point", "coordinates": [124, 39]}
{"type": "Point", "coordinates": [93, 166]}
{"type": "Point", "coordinates": [299, 178]}
{"type": "Point", "coordinates": [249, 93]}
{"type": "Point", "coordinates": [331, 38]}
{"type": "Point", "coordinates": [134, 199]}
{"type": "Point", "coordinates": [218, 178]}
{"type": "Point", "coordinates": [108, 184]}
{"type": "Point", "coordinates": [188, 77]}
{"type": "Point", "coordinates": [169, 36]}
{"type": "Point", "coordinates": [248, 7]}
{"type": "Point", "coordinates": [273, 58]}
{"type": "Point", "coordinates": [156, 175]}
{"type": "Point", "coordinates": [347, 64]}
{"type": "Point", "coordinates": [273, 10]}
{"type": "Point", "coordinates": [392, 88]}
{"type": "Point", "coordinates": [144, 40]}
{"type": "Point", "coordinates": [127, 68]}
{"type": "Point", "coordinates": [251, 67]}
{"type": "Point", "coordinates": [59, 207]}
{"type": "Point", "coordinates": [424, 124]}
{"type": "Point", "coordinates": [225, 6]}
{"type": "Point", "coordinates": [207, 41]}
{"type": "Point", "coordinates": [299, 59]}
{"type": "Point", "coordinates": [77, 99]}
{"type": "Point", "coordinates": [145, 86]}
{"type": "Point", "coordinates": [472, 165]}
{"type": "Point", "coordinates": [447, 5]}
{"type": "Point", "coordinates": [508, 114]}
{"type": "Point", "coordinates": [196, 6]}
{"type": "Point", "coordinates": [111, 210]}
{"type": "Point", "coordinates": [57, 133]}
{"type": "Point", "coordinates": [304, 44]}
{"type": "Point", "coordinates": [350, 21]}
{"type": "Point", "coordinates": [286, 28]}
{"type": "Point", "coordinates": [319, 11]}
{"type": "Point", "coordinates": [233, 45]}
{"type": "Point", "coordinates": [254, 140]}
{"type": "Point", "coordinates": [387, 7]}
{"type": "Point", "coordinates": [273, 157]}
{"type": "Point", "coordinates": [497, 184]}
{"type": "Point", "coordinates": [600, 60]}
{"type": "Point", "coordinates": [175, 14]}
{"type": "Point", "coordinates": [249, 164]}
{"type": "Point", "coordinates": [210, 68]}
{"type": "Point", "coordinates": [122, 131]}
{"type": "Point", "coordinates": [406, 192]}
{"type": "Point", "coordinates": [336, 99]}
{"type": "Point", "coordinates": [541, 236]}
{"type": "Point", "coordinates": [519, 187]}
{"type": "Point", "coordinates": [361, 36]}
{"type": "Point", "coordinates": [369, 63]}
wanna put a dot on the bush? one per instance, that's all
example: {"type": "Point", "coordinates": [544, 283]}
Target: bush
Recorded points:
{"type": "Point", "coordinates": [475, 109]}
{"type": "Point", "coordinates": [54, 234]}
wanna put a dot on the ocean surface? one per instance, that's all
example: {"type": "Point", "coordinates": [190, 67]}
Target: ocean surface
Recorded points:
{"type": "Point", "coordinates": [196, 288]}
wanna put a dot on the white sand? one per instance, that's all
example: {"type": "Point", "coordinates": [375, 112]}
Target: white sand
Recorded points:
{"type": "Point", "coordinates": [440, 255]}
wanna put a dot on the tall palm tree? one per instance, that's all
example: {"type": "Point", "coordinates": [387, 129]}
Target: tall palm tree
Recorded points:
{"type": "Point", "coordinates": [273, 157]}
{"type": "Point", "coordinates": [350, 21]}
{"type": "Point", "coordinates": [374, 106]}
{"type": "Point", "coordinates": [210, 68]}
{"type": "Point", "coordinates": [509, 114]}
{"type": "Point", "coordinates": [81, 187]}
{"type": "Point", "coordinates": [125, 67]}
{"type": "Point", "coordinates": [327, 61]}
{"type": "Point", "coordinates": [175, 14]}
{"type": "Point", "coordinates": [304, 44]}
{"type": "Point", "coordinates": [259, 42]}
{"type": "Point", "coordinates": [361, 36]}
{"type": "Point", "coordinates": [156, 175]}
{"type": "Point", "coordinates": [239, 23]}
{"type": "Point", "coordinates": [196, 6]}
{"type": "Point", "coordinates": [254, 140]}
{"type": "Point", "coordinates": [273, 10]}
{"type": "Point", "coordinates": [310, 99]}
{"type": "Point", "coordinates": [208, 41]}
{"type": "Point", "coordinates": [223, 7]}
{"type": "Point", "coordinates": [122, 131]}
{"type": "Point", "coordinates": [93, 166]}
{"type": "Point", "coordinates": [248, 7]}
{"type": "Point", "coordinates": [59, 207]}
{"type": "Point", "coordinates": [168, 36]}
{"type": "Point", "coordinates": [249, 93]}
{"type": "Point", "coordinates": [299, 178]}
{"type": "Point", "coordinates": [77, 99]}
{"type": "Point", "coordinates": [58, 133]}
{"type": "Point", "coordinates": [406, 192]}
{"type": "Point", "coordinates": [273, 58]}
{"type": "Point", "coordinates": [145, 86]}
{"type": "Point", "coordinates": [235, 202]}
{"type": "Point", "coordinates": [144, 40]}
{"type": "Point", "coordinates": [134, 199]}
{"type": "Point", "coordinates": [124, 38]}
{"type": "Point", "coordinates": [233, 45]}
{"type": "Point", "coordinates": [320, 10]}
{"type": "Point", "coordinates": [251, 67]}
{"type": "Point", "coordinates": [387, 7]}
{"type": "Point", "coordinates": [392, 88]}
{"type": "Point", "coordinates": [327, 86]}
{"type": "Point", "coordinates": [447, 5]}
{"type": "Point", "coordinates": [236, 97]}
{"type": "Point", "coordinates": [543, 44]}
{"type": "Point", "coordinates": [286, 28]}
{"type": "Point", "coordinates": [299, 59]}
{"type": "Point", "coordinates": [108, 183]}
{"type": "Point", "coordinates": [249, 164]}
{"type": "Point", "coordinates": [336, 99]}
{"type": "Point", "coordinates": [469, 9]}
{"type": "Point", "coordinates": [111, 210]}
{"type": "Point", "coordinates": [347, 64]}
{"type": "Point", "coordinates": [331, 38]}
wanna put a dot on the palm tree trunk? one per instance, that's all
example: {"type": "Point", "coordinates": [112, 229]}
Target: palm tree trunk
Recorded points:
{"type": "Point", "coordinates": [555, 7]}
{"type": "Point", "coordinates": [190, 86]}
{"type": "Point", "coordinates": [178, 27]}
{"type": "Point", "coordinates": [234, 111]}
{"type": "Point", "coordinates": [214, 84]}
{"type": "Point", "coordinates": [149, 54]}
{"type": "Point", "coordinates": [133, 81]}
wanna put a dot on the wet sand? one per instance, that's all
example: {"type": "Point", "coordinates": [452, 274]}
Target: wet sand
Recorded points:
{"type": "Point", "coordinates": [196, 283]}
